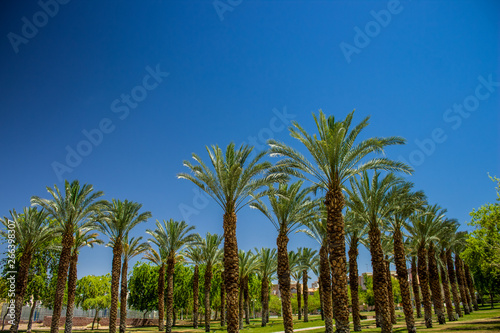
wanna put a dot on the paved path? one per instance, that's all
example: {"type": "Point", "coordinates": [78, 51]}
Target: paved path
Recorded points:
{"type": "Point", "coordinates": [304, 329]}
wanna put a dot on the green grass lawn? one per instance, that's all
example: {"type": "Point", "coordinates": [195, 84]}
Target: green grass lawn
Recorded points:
{"type": "Point", "coordinates": [482, 321]}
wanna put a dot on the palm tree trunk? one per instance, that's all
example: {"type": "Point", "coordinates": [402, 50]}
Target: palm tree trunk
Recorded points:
{"type": "Point", "coordinates": [424, 285]}
{"type": "Point", "coordinates": [380, 283]}
{"type": "Point", "coordinates": [299, 298]}
{"type": "Point", "coordinates": [284, 282]}
{"type": "Point", "coordinates": [161, 298]}
{"type": "Point", "coordinates": [415, 287]}
{"type": "Point", "coordinates": [123, 297]}
{"type": "Point", "coordinates": [334, 202]}
{"type": "Point", "coordinates": [461, 284]}
{"type": "Point", "coordinates": [264, 299]}
{"type": "Point", "coordinates": [231, 271]}
{"type": "Point", "coordinates": [71, 293]}
{"type": "Point", "coordinates": [437, 297]}
{"type": "Point", "coordinates": [353, 283]}
{"type": "Point", "coordinates": [326, 288]}
{"type": "Point", "coordinates": [32, 311]}
{"type": "Point", "coordinates": [21, 283]}
{"type": "Point", "coordinates": [222, 301]}
{"type": "Point", "coordinates": [446, 288]}
{"type": "Point", "coordinates": [453, 283]}
{"type": "Point", "coordinates": [470, 284]}
{"type": "Point", "coordinates": [305, 294]}
{"type": "Point", "coordinates": [208, 286]}
{"type": "Point", "coordinates": [115, 283]}
{"type": "Point", "coordinates": [466, 287]}
{"type": "Point", "coordinates": [402, 272]}
{"type": "Point", "coordinates": [62, 276]}
{"type": "Point", "coordinates": [246, 300]}
{"type": "Point", "coordinates": [170, 292]}
{"type": "Point", "coordinates": [196, 277]}
{"type": "Point", "coordinates": [390, 292]}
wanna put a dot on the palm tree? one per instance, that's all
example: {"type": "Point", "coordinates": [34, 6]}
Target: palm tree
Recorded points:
{"type": "Point", "coordinates": [367, 200]}
{"type": "Point", "coordinates": [83, 237]}
{"type": "Point", "coordinates": [211, 255]}
{"type": "Point", "coordinates": [29, 232]}
{"type": "Point", "coordinates": [296, 274]}
{"type": "Point", "coordinates": [248, 263]}
{"type": "Point", "coordinates": [307, 259]}
{"type": "Point", "coordinates": [470, 284]}
{"type": "Point", "coordinates": [230, 184]}
{"type": "Point", "coordinates": [172, 236]}
{"type": "Point", "coordinates": [415, 284]}
{"type": "Point", "coordinates": [118, 218]}
{"type": "Point", "coordinates": [458, 247]}
{"type": "Point", "coordinates": [159, 258]}
{"type": "Point", "coordinates": [452, 276]}
{"type": "Point", "coordinates": [446, 276]}
{"type": "Point", "coordinates": [193, 253]}
{"type": "Point", "coordinates": [387, 247]}
{"type": "Point", "coordinates": [131, 248]}
{"type": "Point", "coordinates": [404, 203]}
{"type": "Point", "coordinates": [76, 208]}
{"type": "Point", "coordinates": [266, 270]}
{"type": "Point", "coordinates": [289, 206]}
{"type": "Point", "coordinates": [316, 229]}
{"type": "Point", "coordinates": [336, 159]}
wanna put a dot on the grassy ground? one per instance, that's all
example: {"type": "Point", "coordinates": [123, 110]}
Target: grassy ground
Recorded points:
{"type": "Point", "coordinates": [485, 320]}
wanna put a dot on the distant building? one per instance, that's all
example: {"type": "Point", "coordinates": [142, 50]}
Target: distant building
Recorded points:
{"type": "Point", "coordinates": [293, 288]}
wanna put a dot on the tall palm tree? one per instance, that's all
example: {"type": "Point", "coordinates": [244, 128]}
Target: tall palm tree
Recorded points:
{"type": "Point", "coordinates": [248, 263]}
{"type": "Point", "coordinates": [316, 229]}
{"type": "Point", "coordinates": [355, 231]}
{"type": "Point", "coordinates": [211, 255]}
{"type": "Point", "coordinates": [172, 236]}
{"type": "Point", "coordinates": [404, 203]}
{"type": "Point", "coordinates": [76, 208]}
{"type": "Point", "coordinates": [453, 278]}
{"type": "Point", "coordinates": [424, 228]}
{"type": "Point", "coordinates": [194, 255]}
{"type": "Point", "coordinates": [336, 158]}
{"type": "Point", "coordinates": [470, 284]}
{"type": "Point", "coordinates": [307, 259]}
{"type": "Point", "coordinates": [415, 285]}
{"type": "Point", "coordinates": [83, 237]}
{"type": "Point", "coordinates": [296, 274]}
{"type": "Point", "coordinates": [29, 232]}
{"type": "Point", "coordinates": [458, 247]}
{"type": "Point", "coordinates": [367, 199]}
{"type": "Point", "coordinates": [387, 247]}
{"type": "Point", "coordinates": [131, 248]}
{"type": "Point", "coordinates": [230, 181]}
{"type": "Point", "coordinates": [159, 258]}
{"type": "Point", "coordinates": [116, 221]}
{"type": "Point", "coordinates": [266, 270]}
{"type": "Point", "coordinates": [289, 207]}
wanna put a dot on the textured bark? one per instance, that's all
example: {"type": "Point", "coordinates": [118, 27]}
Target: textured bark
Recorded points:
{"type": "Point", "coordinates": [68, 327]}
{"type": "Point", "coordinates": [208, 287]}
{"type": "Point", "coordinates": [222, 302]}
{"type": "Point", "coordinates": [284, 282]}
{"type": "Point", "coordinates": [424, 285]}
{"type": "Point", "coordinates": [264, 299]}
{"type": "Point", "coordinates": [231, 271]}
{"type": "Point", "coordinates": [123, 297]}
{"type": "Point", "coordinates": [115, 283]}
{"type": "Point", "coordinates": [470, 284]}
{"type": "Point", "coordinates": [334, 202]}
{"type": "Point", "coordinates": [380, 283]}
{"type": "Point", "coordinates": [415, 287]}
{"type": "Point", "coordinates": [461, 284]}
{"type": "Point", "coordinates": [353, 283]}
{"type": "Point", "coordinates": [170, 292]}
{"type": "Point", "coordinates": [62, 276]}
{"type": "Point", "coordinates": [435, 284]}
{"type": "Point", "coordinates": [299, 298]}
{"type": "Point", "coordinates": [161, 298]}
{"type": "Point", "coordinates": [453, 283]}
{"type": "Point", "coordinates": [446, 288]}
{"type": "Point", "coordinates": [390, 293]}
{"type": "Point", "coordinates": [326, 288]}
{"type": "Point", "coordinates": [466, 287]}
{"type": "Point", "coordinates": [21, 284]}
{"type": "Point", "coordinates": [402, 273]}
{"type": "Point", "coordinates": [305, 294]}
{"type": "Point", "coordinates": [30, 319]}
{"type": "Point", "coordinates": [196, 278]}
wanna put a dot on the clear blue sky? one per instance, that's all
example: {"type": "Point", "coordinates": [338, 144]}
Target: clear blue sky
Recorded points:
{"type": "Point", "coordinates": [228, 69]}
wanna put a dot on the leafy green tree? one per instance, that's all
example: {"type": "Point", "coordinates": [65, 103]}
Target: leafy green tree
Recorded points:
{"type": "Point", "coordinates": [366, 295]}
{"type": "Point", "coordinates": [143, 288]}
{"type": "Point", "coordinates": [93, 293]}
{"type": "Point", "coordinates": [336, 157]}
